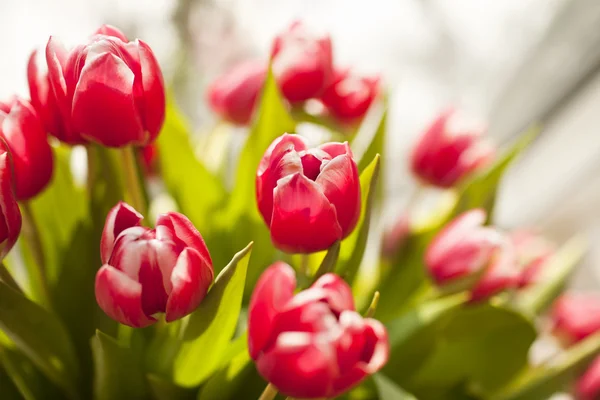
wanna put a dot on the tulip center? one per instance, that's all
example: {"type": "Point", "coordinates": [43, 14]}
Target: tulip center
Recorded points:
{"type": "Point", "coordinates": [312, 162]}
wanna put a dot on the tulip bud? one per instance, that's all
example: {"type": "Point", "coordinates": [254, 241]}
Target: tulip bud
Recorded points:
{"type": "Point", "coordinates": [575, 316]}
{"type": "Point", "coordinates": [312, 344]}
{"type": "Point", "coordinates": [10, 215]}
{"type": "Point", "coordinates": [108, 90]}
{"type": "Point", "coordinates": [349, 97]}
{"type": "Point", "coordinates": [167, 269]}
{"type": "Point", "coordinates": [533, 252]}
{"type": "Point", "coordinates": [503, 273]}
{"type": "Point", "coordinates": [31, 153]}
{"type": "Point", "coordinates": [233, 95]}
{"type": "Point", "coordinates": [588, 386]}
{"type": "Point", "coordinates": [309, 197]}
{"type": "Point", "coordinates": [450, 149]}
{"type": "Point", "coordinates": [302, 63]}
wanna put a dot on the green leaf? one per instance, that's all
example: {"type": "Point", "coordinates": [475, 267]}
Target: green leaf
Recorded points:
{"type": "Point", "coordinates": [484, 345]}
{"type": "Point", "coordinates": [9, 390]}
{"type": "Point", "coordinates": [237, 380]}
{"type": "Point", "coordinates": [370, 138]}
{"type": "Point", "coordinates": [117, 372]}
{"type": "Point", "coordinates": [212, 325]}
{"type": "Point", "coordinates": [329, 261]}
{"type": "Point", "coordinates": [41, 336]}
{"type": "Point", "coordinates": [388, 390]}
{"type": "Point", "coordinates": [164, 390]}
{"type": "Point", "coordinates": [556, 271]}
{"type": "Point", "coordinates": [353, 247]}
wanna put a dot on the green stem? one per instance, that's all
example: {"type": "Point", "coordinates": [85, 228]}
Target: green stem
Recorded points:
{"type": "Point", "coordinates": [373, 307]}
{"type": "Point", "coordinates": [305, 264]}
{"type": "Point", "coordinates": [132, 180]}
{"type": "Point", "coordinates": [91, 168]}
{"type": "Point", "coordinates": [269, 393]}
{"type": "Point", "coordinates": [329, 262]}
{"type": "Point", "coordinates": [33, 238]}
{"type": "Point", "coordinates": [7, 278]}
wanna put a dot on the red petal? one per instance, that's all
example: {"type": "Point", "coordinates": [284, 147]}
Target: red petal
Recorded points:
{"type": "Point", "coordinates": [588, 386]}
{"type": "Point", "coordinates": [56, 59]}
{"type": "Point", "coordinates": [339, 294]}
{"type": "Point", "coordinates": [153, 114]}
{"type": "Point", "coordinates": [191, 279]}
{"type": "Point", "coordinates": [271, 293]}
{"type": "Point", "coordinates": [335, 149]}
{"type": "Point", "coordinates": [10, 224]}
{"type": "Point", "coordinates": [341, 186]}
{"type": "Point", "coordinates": [121, 297]}
{"type": "Point", "coordinates": [104, 107]}
{"type": "Point", "coordinates": [185, 231]}
{"type": "Point", "coordinates": [110, 30]}
{"type": "Point", "coordinates": [304, 221]}
{"type": "Point", "coordinates": [119, 218]}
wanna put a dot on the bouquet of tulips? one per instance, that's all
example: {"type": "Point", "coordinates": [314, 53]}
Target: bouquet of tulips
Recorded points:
{"type": "Point", "coordinates": [162, 274]}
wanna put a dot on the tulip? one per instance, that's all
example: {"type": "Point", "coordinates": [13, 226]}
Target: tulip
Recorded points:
{"type": "Point", "coordinates": [149, 158]}
{"type": "Point", "coordinates": [309, 197]}
{"type": "Point", "coordinates": [575, 316]}
{"type": "Point", "coordinates": [107, 91]}
{"type": "Point", "coordinates": [503, 273]}
{"type": "Point", "coordinates": [24, 134]}
{"type": "Point", "coordinates": [302, 63]}
{"type": "Point", "coordinates": [233, 95]}
{"type": "Point", "coordinates": [148, 271]}
{"type": "Point", "coordinates": [588, 386]}
{"type": "Point", "coordinates": [10, 215]}
{"type": "Point", "coordinates": [449, 150]}
{"type": "Point", "coordinates": [349, 97]}
{"type": "Point", "coordinates": [312, 344]}
{"type": "Point", "coordinates": [533, 253]}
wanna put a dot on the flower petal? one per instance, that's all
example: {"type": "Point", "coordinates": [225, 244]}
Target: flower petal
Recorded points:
{"type": "Point", "coordinates": [10, 224]}
{"type": "Point", "coordinates": [110, 30]}
{"type": "Point", "coordinates": [120, 297]}
{"type": "Point", "coordinates": [153, 114]}
{"type": "Point", "coordinates": [119, 218]}
{"type": "Point", "coordinates": [335, 149]}
{"type": "Point", "coordinates": [339, 294]}
{"type": "Point", "coordinates": [273, 290]}
{"type": "Point", "coordinates": [185, 231]}
{"type": "Point", "coordinates": [191, 279]}
{"type": "Point", "coordinates": [303, 221]}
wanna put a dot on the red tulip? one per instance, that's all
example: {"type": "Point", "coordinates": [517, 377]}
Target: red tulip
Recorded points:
{"type": "Point", "coordinates": [302, 63]}
{"type": "Point", "coordinates": [22, 130]}
{"type": "Point", "coordinates": [576, 316]}
{"type": "Point", "coordinates": [309, 197]}
{"type": "Point", "coordinates": [588, 386]}
{"type": "Point", "coordinates": [462, 249]}
{"type": "Point", "coordinates": [533, 252]}
{"type": "Point", "coordinates": [10, 215]}
{"type": "Point", "coordinates": [147, 271]}
{"type": "Point", "coordinates": [349, 97]}
{"type": "Point", "coordinates": [449, 150]}
{"type": "Point", "coordinates": [234, 94]}
{"type": "Point", "coordinates": [108, 90]}
{"type": "Point", "coordinates": [149, 158]}
{"type": "Point", "coordinates": [312, 344]}
{"type": "Point", "coordinates": [503, 273]}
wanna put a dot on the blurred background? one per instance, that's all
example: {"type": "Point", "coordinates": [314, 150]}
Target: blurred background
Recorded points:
{"type": "Point", "coordinates": [512, 62]}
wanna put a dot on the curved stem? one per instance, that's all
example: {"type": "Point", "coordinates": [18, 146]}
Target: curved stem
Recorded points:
{"type": "Point", "coordinates": [91, 168]}
{"type": "Point", "coordinates": [132, 181]}
{"type": "Point", "coordinates": [269, 393]}
{"type": "Point", "coordinates": [32, 235]}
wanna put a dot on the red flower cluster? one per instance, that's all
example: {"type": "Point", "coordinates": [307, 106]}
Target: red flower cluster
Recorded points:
{"type": "Point", "coordinates": [303, 66]}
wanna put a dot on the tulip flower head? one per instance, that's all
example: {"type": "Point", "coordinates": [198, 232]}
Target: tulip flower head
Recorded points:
{"type": "Point", "coordinates": [349, 97]}
{"type": "Point", "coordinates": [309, 197]}
{"type": "Point", "coordinates": [31, 153]}
{"type": "Point", "coordinates": [10, 215]}
{"type": "Point", "coordinates": [302, 63]}
{"type": "Point", "coordinates": [234, 95]}
{"type": "Point", "coordinates": [108, 90]}
{"type": "Point", "coordinates": [449, 150]}
{"type": "Point", "coordinates": [312, 344]}
{"type": "Point", "coordinates": [576, 316]}
{"type": "Point", "coordinates": [167, 269]}
{"type": "Point", "coordinates": [533, 252]}
{"type": "Point", "coordinates": [588, 386]}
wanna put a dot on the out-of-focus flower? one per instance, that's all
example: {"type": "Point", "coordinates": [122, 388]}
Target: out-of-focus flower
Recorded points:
{"type": "Point", "coordinates": [302, 63]}
{"type": "Point", "coordinates": [575, 316]}
{"type": "Point", "coordinates": [312, 344]}
{"type": "Point", "coordinates": [167, 269]}
{"type": "Point", "coordinates": [395, 237]}
{"type": "Point", "coordinates": [31, 153]}
{"type": "Point", "coordinates": [309, 197]}
{"type": "Point", "coordinates": [588, 386]}
{"type": "Point", "coordinates": [234, 94]}
{"type": "Point", "coordinates": [450, 149]}
{"type": "Point", "coordinates": [149, 157]}
{"type": "Point", "coordinates": [10, 215]}
{"type": "Point", "coordinates": [533, 252]}
{"type": "Point", "coordinates": [349, 97]}
{"type": "Point", "coordinates": [502, 273]}
{"type": "Point", "coordinates": [107, 91]}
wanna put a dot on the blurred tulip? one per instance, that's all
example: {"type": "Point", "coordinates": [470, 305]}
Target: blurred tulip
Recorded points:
{"type": "Point", "coordinates": [575, 316]}
{"type": "Point", "coordinates": [31, 153]}
{"type": "Point", "coordinates": [588, 386]}
{"type": "Point", "coordinates": [302, 63]}
{"type": "Point", "coordinates": [234, 94]}
{"type": "Point", "coordinates": [533, 252]}
{"type": "Point", "coordinates": [149, 158]}
{"type": "Point", "coordinates": [107, 91]}
{"type": "Point", "coordinates": [10, 215]}
{"type": "Point", "coordinates": [312, 344]}
{"type": "Point", "coordinates": [503, 273]}
{"type": "Point", "coordinates": [450, 149]}
{"type": "Point", "coordinates": [349, 97]}
{"type": "Point", "coordinates": [309, 198]}
{"type": "Point", "coordinates": [148, 271]}
{"type": "Point", "coordinates": [394, 238]}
